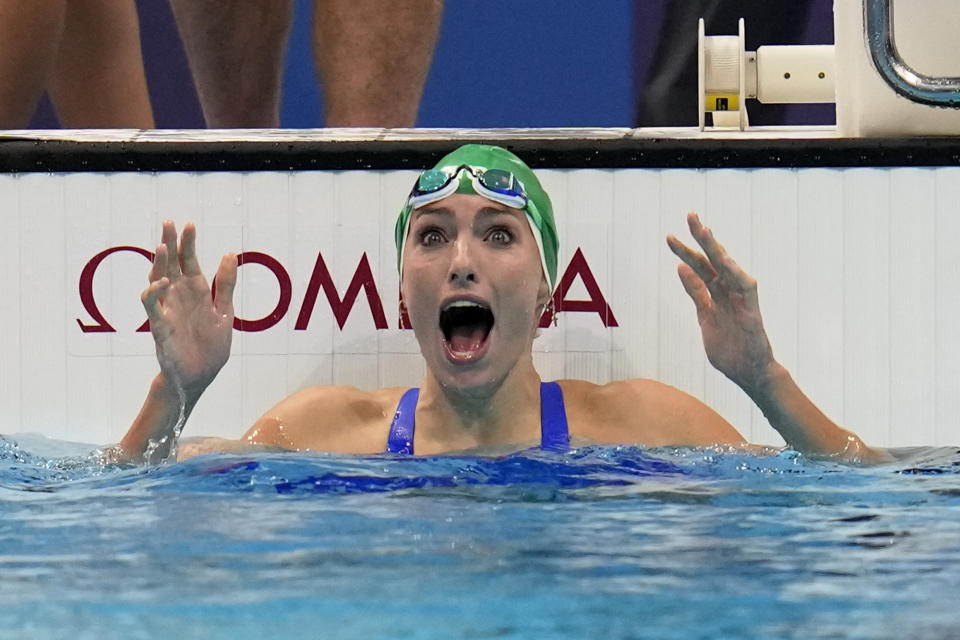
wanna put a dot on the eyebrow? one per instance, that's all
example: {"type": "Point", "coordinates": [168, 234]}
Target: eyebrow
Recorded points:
{"type": "Point", "coordinates": [430, 211]}
{"type": "Point", "coordinates": [491, 211]}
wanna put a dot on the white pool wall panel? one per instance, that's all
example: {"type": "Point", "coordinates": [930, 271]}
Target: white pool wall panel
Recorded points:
{"type": "Point", "coordinates": [856, 269]}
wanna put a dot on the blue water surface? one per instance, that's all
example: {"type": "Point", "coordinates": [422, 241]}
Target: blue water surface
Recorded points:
{"type": "Point", "coordinates": [612, 542]}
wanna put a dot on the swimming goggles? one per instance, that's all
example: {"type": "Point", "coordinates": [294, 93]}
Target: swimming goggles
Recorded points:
{"type": "Point", "coordinates": [498, 185]}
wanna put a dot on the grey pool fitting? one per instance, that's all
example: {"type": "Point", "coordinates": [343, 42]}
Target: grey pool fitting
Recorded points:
{"type": "Point", "coordinates": [932, 90]}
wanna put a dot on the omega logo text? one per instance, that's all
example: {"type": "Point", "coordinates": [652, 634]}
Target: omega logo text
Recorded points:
{"type": "Point", "coordinates": [341, 307]}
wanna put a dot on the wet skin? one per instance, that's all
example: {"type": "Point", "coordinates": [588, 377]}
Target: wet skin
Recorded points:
{"type": "Point", "coordinates": [481, 389]}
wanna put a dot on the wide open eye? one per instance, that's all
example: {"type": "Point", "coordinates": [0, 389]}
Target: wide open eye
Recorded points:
{"type": "Point", "coordinates": [431, 237]}
{"type": "Point", "coordinates": [500, 236]}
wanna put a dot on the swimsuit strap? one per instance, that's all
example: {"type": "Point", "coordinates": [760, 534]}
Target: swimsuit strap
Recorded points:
{"type": "Point", "coordinates": [554, 433]}
{"type": "Point", "coordinates": [400, 439]}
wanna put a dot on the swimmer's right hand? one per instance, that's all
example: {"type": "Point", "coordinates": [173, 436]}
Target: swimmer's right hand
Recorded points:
{"type": "Point", "coordinates": [192, 332]}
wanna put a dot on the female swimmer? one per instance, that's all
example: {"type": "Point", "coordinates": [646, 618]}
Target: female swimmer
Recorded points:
{"type": "Point", "coordinates": [477, 254]}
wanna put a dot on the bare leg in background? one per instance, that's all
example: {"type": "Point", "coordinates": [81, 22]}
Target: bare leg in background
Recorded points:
{"type": "Point", "coordinates": [373, 59]}
{"type": "Point", "coordinates": [29, 41]}
{"type": "Point", "coordinates": [98, 80]}
{"type": "Point", "coordinates": [236, 49]}
{"type": "Point", "coordinates": [85, 53]}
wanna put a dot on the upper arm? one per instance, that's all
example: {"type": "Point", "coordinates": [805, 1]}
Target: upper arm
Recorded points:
{"type": "Point", "coordinates": [651, 413]}
{"type": "Point", "coordinates": [335, 419]}
{"type": "Point", "coordinates": [292, 420]}
{"type": "Point", "coordinates": [197, 446]}
{"type": "Point", "coordinates": [691, 421]}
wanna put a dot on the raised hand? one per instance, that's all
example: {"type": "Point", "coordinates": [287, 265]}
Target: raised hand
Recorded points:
{"type": "Point", "coordinates": [727, 308]}
{"type": "Point", "coordinates": [192, 332]}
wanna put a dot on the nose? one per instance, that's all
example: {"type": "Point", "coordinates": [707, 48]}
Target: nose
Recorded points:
{"type": "Point", "coordinates": [462, 268]}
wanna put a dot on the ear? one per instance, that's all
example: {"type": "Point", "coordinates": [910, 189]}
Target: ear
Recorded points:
{"type": "Point", "coordinates": [543, 294]}
{"type": "Point", "coordinates": [403, 312]}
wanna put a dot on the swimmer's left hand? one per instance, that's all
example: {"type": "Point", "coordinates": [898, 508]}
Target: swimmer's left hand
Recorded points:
{"type": "Point", "coordinates": [728, 309]}
{"type": "Point", "coordinates": [737, 345]}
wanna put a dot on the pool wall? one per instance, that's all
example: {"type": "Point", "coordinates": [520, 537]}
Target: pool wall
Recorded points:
{"type": "Point", "coordinates": [857, 269]}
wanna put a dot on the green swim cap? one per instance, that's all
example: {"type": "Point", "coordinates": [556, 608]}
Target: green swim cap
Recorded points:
{"type": "Point", "coordinates": [539, 210]}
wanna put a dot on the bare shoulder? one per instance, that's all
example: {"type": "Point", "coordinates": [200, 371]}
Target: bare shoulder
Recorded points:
{"type": "Point", "coordinates": [642, 411]}
{"type": "Point", "coordinates": [336, 419]}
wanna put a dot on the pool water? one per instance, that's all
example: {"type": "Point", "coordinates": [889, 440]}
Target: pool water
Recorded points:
{"type": "Point", "coordinates": [598, 543]}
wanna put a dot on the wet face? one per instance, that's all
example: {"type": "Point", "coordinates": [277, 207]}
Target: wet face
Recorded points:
{"type": "Point", "coordinates": [474, 289]}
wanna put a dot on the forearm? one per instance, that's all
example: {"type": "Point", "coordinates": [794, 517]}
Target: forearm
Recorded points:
{"type": "Point", "coordinates": [802, 425]}
{"type": "Point", "coordinates": [154, 430]}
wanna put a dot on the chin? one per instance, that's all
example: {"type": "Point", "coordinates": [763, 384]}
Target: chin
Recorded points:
{"type": "Point", "coordinates": [481, 377]}
{"type": "Point", "coordinates": [476, 375]}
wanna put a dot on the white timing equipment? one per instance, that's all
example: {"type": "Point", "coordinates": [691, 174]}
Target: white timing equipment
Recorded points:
{"type": "Point", "coordinates": [877, 92]}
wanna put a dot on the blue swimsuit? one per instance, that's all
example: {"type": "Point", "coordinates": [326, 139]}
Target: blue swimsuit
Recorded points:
{"type": "Point", "coordinates": [554, 435]}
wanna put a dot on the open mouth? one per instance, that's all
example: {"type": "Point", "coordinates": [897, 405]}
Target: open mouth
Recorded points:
{"type": "Point", "coordinates": [466, 326]}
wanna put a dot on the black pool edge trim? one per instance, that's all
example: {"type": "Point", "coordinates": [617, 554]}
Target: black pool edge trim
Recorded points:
{"type": "Point", "coordinates": [31, 156]}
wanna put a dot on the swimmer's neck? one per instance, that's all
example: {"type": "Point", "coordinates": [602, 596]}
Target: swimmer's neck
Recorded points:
{"type": "Point", "coordinates": [504, 411]}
